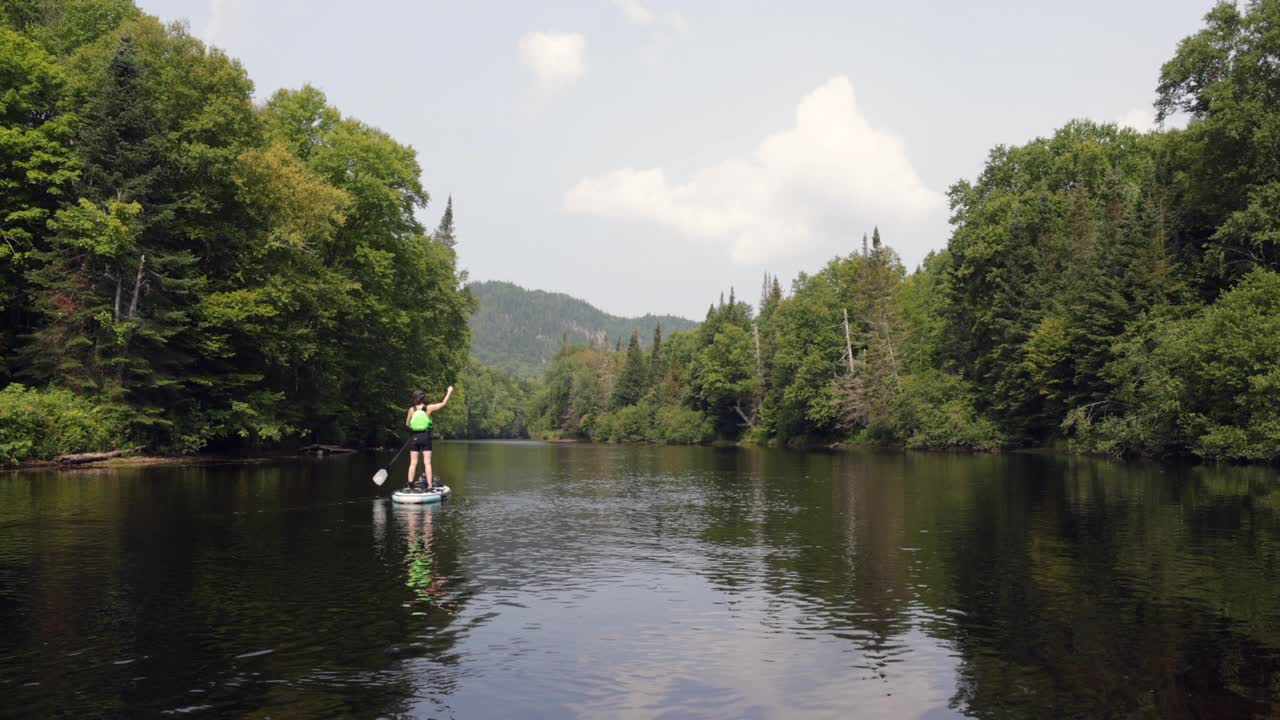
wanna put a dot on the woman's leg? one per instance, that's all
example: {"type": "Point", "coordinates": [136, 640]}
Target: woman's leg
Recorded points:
{"type": "Point", "coordinates": [426, 463]}
{"type": "Point", "coordinates": [413, 464]}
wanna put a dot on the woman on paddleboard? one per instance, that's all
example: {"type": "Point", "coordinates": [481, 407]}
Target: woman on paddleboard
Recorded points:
{"type": "Point", "coordinates": [418, 420]}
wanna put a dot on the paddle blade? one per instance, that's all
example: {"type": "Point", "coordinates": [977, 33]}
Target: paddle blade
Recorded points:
{"type": "Point", "coordinates": [380, 477]}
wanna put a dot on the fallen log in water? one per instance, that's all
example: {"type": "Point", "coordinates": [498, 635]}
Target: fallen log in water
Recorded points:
{"type": "Point", "coordinates": [325, 450]}
{"type": "Point", "coordinates": [82, 458]}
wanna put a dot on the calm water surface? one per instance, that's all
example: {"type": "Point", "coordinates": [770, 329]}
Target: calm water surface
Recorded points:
{"type": "Point", "coordinates": [643, 582]}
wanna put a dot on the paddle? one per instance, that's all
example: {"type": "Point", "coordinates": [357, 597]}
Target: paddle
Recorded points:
{"type": "Point", "coordinates": [381, 476]}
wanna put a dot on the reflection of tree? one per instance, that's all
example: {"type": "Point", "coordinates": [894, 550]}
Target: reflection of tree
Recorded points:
{"type": "Point", "coordinates": [1098, 591]}
{"type": "Point", "coordinates": [251, 589]}
{"type": "Point", "coordinates": [823, 530]}
{"type": "Point", "coordinates": [1064, 587]}
{"type": "Point", "coordinates": [1068, 587]}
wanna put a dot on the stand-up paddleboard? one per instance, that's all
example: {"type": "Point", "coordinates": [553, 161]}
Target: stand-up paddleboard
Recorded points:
{"type": "Point", "coordinates": [435, 494]}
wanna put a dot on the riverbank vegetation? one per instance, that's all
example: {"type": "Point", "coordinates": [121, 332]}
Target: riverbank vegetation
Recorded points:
{"type": "Point", "coordinates": [1112, 288]}
{"type": "Point", "coordinates": [182, 269]}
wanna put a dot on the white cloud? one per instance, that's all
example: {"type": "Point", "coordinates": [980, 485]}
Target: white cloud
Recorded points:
{"type": "Point", "coordinates": [223, 14]}
{"type": "Point", "coordinates": [556, 59]}
{"type": "Point", "coordinates": [1140, 119]}
{"type": "Point", "coordinates": [635, 11]}
{"type": "Point", "coordinates": [830, 175]}
{"type": "Point", "coordinates": [639, 14]}
{"type": "Point", "coordinates": [1144, 120]}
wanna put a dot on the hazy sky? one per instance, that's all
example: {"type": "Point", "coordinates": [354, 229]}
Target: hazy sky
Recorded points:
{"type": "Point", "coordinates": [645, 155]}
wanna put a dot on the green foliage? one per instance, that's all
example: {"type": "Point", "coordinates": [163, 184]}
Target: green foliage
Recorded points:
{"type": "Point", "coordinates": [809, 345]}
{"type": "Point", "coordinates": [231, 275]}
{"type": "Point", "coordinates": [1101, 283]}
{"type": "Point", "coordinates": [721, 376]}
{"type": "Point", "coordinates": [1057, 246]}
{"type": "Point", "coordinates": [445, 233]}
{"type": "Point", "coordinates": [936, 411]}
{"type": "Point", "coordinates": [627, 424]}
{"type": "Point", "coordinates": [1226, 77]}
{"type": "Point", "coordinates": [575, 391]}
{"type": "Point", "coordinates": [213, 273]}
{"type": "Point", "coordinates": [36, 169]}
{"type": "Point", "coordinates": [41, 424]}
{"type": "Point", "coordinates": [682, 426]}
{"type": "Point", "coordinates": [487, 403]}
{"type": "Point", "coordinates": [63, 26]}
{"type": "Point", "coordinates": [634, 378]}
{"type": "Point", "coordinates": [1209, 383]}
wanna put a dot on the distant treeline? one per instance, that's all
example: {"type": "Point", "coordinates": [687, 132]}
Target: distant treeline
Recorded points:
{"type": "Point", "coordinates": [181, 269]}
{"type": "Point", "coordinates": [1115, 289]}
{"type": "Point", "coordinates": [519, 330]}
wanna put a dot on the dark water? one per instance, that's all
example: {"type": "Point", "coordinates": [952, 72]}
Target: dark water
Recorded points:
{"type": "Point", "coordinates": [643, 582]}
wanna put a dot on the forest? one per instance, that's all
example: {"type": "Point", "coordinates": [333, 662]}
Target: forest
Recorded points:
{"type": "Point", "coordinates": [187, 271]}
{"type": "Point", "coordinates": [1105, 290]}
{"type": "Point", "coordinates": [184, 270]}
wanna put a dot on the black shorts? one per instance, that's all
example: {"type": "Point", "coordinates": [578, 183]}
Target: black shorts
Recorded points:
{"type": "Point", "coordinates": [420, 441]}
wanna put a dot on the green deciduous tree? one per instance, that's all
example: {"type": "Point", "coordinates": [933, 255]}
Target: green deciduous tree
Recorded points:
{"type": "Point", "coordinates": [36, 170]}
{"type": "Point", "coordinates": [1225, 77]}
{"type": "Point", "coordinates": [1208, 383]}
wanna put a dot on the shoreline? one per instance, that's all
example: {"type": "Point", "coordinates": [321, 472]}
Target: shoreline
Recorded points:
{"type": "Point", "coordinates": [138, 461]}
{"type": "Point", "coordinates": [179, 460]}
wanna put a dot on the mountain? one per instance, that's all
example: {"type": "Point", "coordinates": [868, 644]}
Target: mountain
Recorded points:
{"type": "Point", "coordinates": [520, 330]}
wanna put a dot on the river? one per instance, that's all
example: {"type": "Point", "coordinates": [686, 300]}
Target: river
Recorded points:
{"type": "Point", "coordinates": [641, 582]}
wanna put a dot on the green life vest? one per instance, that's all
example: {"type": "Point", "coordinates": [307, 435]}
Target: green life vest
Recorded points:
{"type": "Point", "coordinates": [420, 421]}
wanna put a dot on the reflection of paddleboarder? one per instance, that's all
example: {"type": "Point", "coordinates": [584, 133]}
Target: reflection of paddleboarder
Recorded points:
{"type": "Point", "coordinates": [421, 573]}
{"type": "Point", "coordinates": [418, 420]}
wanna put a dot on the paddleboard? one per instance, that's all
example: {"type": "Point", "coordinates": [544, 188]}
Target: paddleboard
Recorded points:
{"type": "Point", "coordinates": [436, 494]}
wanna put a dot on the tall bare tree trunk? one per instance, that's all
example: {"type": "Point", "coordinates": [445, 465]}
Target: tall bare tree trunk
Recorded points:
{"type": "Point", "coordinates": [137, 287]}
{"type": "Point", "coordinates": [848, 341]}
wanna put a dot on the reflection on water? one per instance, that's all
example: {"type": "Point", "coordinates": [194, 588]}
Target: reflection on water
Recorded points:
{"type": "Point", "coordinates": [640, 581]}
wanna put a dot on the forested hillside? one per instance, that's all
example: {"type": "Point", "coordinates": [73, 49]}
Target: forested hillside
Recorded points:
{"type": "Point", "coordinates": [181, 268]}
{"type": "Point", "coordinates": [1114, 289]}
{"type": "Point", "coordinates": [520, 330]}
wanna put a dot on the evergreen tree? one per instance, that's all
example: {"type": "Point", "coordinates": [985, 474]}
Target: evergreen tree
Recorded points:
{"type": "Point", "coordinates": [94, 276]}
{"type": "Point", "coordinates": [633, 379]}
{"type": "Point", "coordinates": [655, 356]}
{"type": "Point", "coordinates": [444, 233]}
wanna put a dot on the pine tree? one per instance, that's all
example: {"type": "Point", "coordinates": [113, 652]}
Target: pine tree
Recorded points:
{"type": "Point", "coordinates": [655, 356]}
{"type": "Point", "coordinates": [95, 273]}
{"type": "Point", "coordinates": [444, 233]}
{"type": "Point", "coordinates": [633, 378]}
{"type": "Point", "coordinates": [875, 238]}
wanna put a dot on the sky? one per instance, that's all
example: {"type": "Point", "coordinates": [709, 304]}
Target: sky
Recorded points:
{"type": "Point", "coordinates": [647, 155]}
